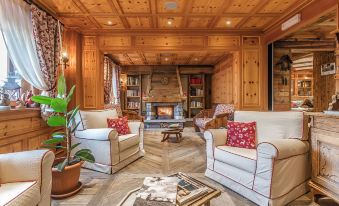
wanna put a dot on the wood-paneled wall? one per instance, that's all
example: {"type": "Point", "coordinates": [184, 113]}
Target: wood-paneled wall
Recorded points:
{"type": "Point", "coordinates": [22, 130]}
{"type": "Point", "coordinates": [324, 86]}
{"type": "Point", "coordinates": [225, 81]}
{"type": "Point", "coordinates": [241, 83]}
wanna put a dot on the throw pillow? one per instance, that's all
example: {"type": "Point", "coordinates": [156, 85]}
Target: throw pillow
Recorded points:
{"type": "Point", "coordinates": [241, 134]}
{"type": "Point", "coordinates": [120, 124]}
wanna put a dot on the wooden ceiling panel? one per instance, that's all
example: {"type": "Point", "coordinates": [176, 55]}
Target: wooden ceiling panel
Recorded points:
{"type": "Point", "coordinates": [257, 22]}
{"type": "Point", "coordinates": [176, 22]}
{"type": "Point", "coordinates": [223, 41]}
{"type": "Point", "coordinates": [168, 41]}
{"type": "Point", "coordinates": [277, 6]}
{"type": "Point", "coordinates": [170, 58]}
{"type": "Point", "coordinates": [114, 41]}
{"type": "Point", "coordinates": [241, 6]}
{"type": "Point", "coordinates": [161, 6]}
{"type": "Point", "coordinates": [110, 22]}
{"type": "Point", "coordinates": [57, 7]}
{"type": "Point", "coordinates": [206, 7]}
{"type": "Point", "coordinates": [233, 22]}
{"type": "Point", "coordinates": [78, 22]}
{"type": "Point", "coordinates": [135, 6]}
{"type": "Point", "coordinates": [97, 6]}
{"type": "Point", "coordinates": [139, 22]}
{"type": "Point", "coordinates": [199, 22]}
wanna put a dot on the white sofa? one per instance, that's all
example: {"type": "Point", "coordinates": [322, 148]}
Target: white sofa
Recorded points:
{"type": "Point", "coordinates": [26, 178]}
{"type": "Point", "coordinates": [111, 151]}
{"type": "Point", "coordinates": [276, 172]}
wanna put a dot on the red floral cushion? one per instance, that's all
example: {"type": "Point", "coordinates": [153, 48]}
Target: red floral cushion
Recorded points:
{"type": "Point", "coordinates": [120, 124]}
{"type": "Point", "coordinates": [240, 134]}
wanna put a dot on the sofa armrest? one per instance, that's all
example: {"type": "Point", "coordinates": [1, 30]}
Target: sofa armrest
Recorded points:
{"type": "Point", "coordinates": [217, 136]}
{"type": "Point", "coordinates": [101, 134]}
{"type": "Point", "coordinates": [33, 165]}
{"type": "Point", "coordinates": [135, 126]}
{"type": "Point", "coordinates": [282, 148]}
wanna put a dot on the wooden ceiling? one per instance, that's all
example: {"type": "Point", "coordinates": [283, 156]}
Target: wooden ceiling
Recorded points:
{"type": "Point", "coordinates": [148, 32]}
{"type": "Point", "coordinates": [314, 37]}
{"type": "Point", "coordinates": [168, 58]}
{"type": "Point", "coordinates": [154, 15]}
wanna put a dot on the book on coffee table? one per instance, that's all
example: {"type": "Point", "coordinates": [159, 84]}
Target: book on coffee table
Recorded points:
{"type": "Point", "coordinates": [157, 191]}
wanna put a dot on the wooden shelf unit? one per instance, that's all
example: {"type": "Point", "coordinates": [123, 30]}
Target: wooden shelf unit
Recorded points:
{"type": "Point", "coordinates": [196, 94]}
{"type": "Point", "coordinates": [133, 97]}
{"type": "Point", "coordinates": [301, 84]}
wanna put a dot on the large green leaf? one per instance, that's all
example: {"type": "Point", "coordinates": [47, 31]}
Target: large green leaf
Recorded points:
{"type": "Point", "coordinates": [75, 128]}
{"type": "Point", "coordinates": [59, 105]}
{"type": "Point", "coordinates": [74, 112]}
{"type": "Point", "coordinates": [83, 151]}
{"type": "Point", "coordinates": [56, 121]}
{"type": "Point", "coordinates": [61, 86]}
{"type": "Point", "coordinates": [88, 157]}
{"type": "Point", "coordinates": [75, 145]}
{"type": "Point", "coordinates": [42, 99]}
{"type": "Point", "coordinates": [54, 141]}
{"type": "Point", "coordinates": [62, 166]}
{"type": "Point", "coordinates": [70, 94]}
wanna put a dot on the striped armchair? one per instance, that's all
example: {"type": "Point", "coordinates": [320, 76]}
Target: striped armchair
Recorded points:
{"type": "Point", "coordinates": [213, 118]}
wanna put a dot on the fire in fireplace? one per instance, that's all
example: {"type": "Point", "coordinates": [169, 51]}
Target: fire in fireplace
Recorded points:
{"type": "Point", "coordinates": [165, 112]}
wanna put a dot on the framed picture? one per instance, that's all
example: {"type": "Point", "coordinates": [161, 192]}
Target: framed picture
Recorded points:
{"type": "Point", "coordinates": [327, 69]}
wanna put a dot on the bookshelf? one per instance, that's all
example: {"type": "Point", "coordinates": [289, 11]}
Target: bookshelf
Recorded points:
{"type": "Point", "coordinates": [133, 93]}
{"type": "Point", "coordinates": [196, 94]}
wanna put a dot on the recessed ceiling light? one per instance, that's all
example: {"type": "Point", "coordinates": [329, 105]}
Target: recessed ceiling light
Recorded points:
{"type": "Point", "coordinates": [109, 23]}
{"type": "Point", "coordinates": [170, 21]}
{"type": "Point", "coordinates": [228, 22]}
{"type": "Point", "coordinates": [195, 59]}
{"type": "Point", "coordinates": [166, 58]}
{"type": "Point", "coordinates": [170, 5]}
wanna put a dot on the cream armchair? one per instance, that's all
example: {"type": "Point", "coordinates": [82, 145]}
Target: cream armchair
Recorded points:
{"type": "Point", "coordinates": [276, 172]}
{"type": "Point", "coordinates": [26, 178]}
{"type": "Point", "coordinates": [111, 151]}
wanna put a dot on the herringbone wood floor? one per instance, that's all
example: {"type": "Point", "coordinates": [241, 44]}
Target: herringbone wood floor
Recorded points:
{"type": "Point", "coordinates": [161, 159]}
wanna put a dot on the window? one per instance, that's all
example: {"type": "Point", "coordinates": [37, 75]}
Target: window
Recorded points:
{"type": "Point", "coordinates": [3, 60]}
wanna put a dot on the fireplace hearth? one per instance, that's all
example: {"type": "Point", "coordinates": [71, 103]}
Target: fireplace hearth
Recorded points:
{"type": "Point", "coordinates": [164, 112]}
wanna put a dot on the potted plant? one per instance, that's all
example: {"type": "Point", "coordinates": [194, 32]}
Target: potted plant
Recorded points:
{"type": "Point", "coordinates": [66, 170]}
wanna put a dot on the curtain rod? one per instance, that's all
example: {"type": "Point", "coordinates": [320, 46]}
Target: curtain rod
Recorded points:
{"type": "Point", "coordinates": [30, 2]}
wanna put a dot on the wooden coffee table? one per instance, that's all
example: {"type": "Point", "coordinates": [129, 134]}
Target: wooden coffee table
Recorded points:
{"type": "Point", "coordinates": [203, 200]}
{"type": "Point", "coordinates": [167, 133]}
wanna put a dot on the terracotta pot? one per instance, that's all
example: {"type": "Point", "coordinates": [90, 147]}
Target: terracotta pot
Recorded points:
{"type": "Point", "coordinates": [67, 181]}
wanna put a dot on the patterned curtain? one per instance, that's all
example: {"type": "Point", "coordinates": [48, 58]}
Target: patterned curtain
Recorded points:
{"type": "Point", "coordinates": [116, 83]}
{"type": "Point", "coordinates": [108, 79]}
{"type": "Point", "coordinates": [47, 40]}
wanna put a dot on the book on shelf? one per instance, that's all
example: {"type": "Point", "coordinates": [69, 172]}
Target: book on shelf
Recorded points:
{"type": "Point", "coordinates": [157, 191]}
{"type": "Point", "coordinates": [195, 80]}
{"type": "Point", "coordinates": [132, 93]}
{"type": "Point", "coordinates": [196, 104]}
{"type": "Point", "coordinates": [132, 81]}
{"type": "Point", "coordinates": [197, 92]}
{"type": "Point", "coordinates": [133, 105]}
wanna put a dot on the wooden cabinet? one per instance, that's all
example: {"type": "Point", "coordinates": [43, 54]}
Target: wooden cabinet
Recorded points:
{"type": "Point", "coordinates": [325, 155]}
{"type": "Point", "coordinates": [196, 94]}
{"type": "Point", "coordinates": [22, 130]}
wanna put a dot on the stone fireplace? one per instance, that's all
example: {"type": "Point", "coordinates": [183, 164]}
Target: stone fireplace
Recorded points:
{"type": "Point", "coordinates": [164, 99]}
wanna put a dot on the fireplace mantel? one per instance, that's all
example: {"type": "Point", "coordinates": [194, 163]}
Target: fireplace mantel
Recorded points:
{"type": "Point", "coordinates": [164, 99]}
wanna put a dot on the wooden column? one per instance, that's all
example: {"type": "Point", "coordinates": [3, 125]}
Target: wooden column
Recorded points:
{"type": "Point", "coordinates": [92, 74]}
{"type": "Point", "coordinates": [72, 45]}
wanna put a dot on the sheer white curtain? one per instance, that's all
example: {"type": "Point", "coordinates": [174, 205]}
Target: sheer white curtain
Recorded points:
{"type": "Point", "coordinates": [17, 30]}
